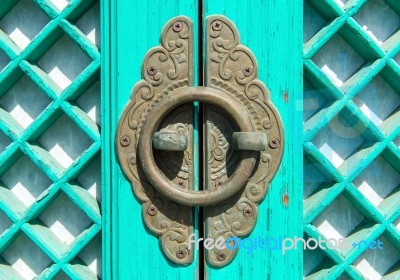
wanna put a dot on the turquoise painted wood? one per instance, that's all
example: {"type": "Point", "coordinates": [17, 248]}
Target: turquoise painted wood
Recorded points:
{"type": "Point", "coordinates": [26, 159]}
{"type": "Point", "coordinates": [133, 27]}
{"type": "Point", "coordinates": [369, 140]}
{"type": "Point", "coordinates": [273, 31]}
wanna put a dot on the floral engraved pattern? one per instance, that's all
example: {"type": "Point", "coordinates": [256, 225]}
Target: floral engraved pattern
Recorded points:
{"type": "Point", "coordinates": [220, 157]}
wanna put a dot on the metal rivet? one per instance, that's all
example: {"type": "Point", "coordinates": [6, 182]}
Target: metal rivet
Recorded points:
{"type": "Point", "coordinates": [274, 143]}
{"type": "Point", "coordinates": [217, 183]}
{"type": "Point", "coordinates": [248, 212]}
{"type": "Point", "coordinates": [152, 70]}
{"type": "Point", "coordinates": [177, 26]}
{"type": "Point", "coordinates": [247, 71]}
{"type": "Point", "coordinates": [181, 253]}
{"type": "Point", "coordinates": [125, 140]}
{"type": "Point", "coordinates": [216, 25]}
{"type": "Point", "coordinates": [152, 210]}
{"type": "Point", "coordinates": [221, 256]}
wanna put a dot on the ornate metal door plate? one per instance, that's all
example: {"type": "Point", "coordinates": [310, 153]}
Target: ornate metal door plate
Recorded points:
{"type": "Point", "coordinates": [166, 68]}
{"type": "Point", "coordinates": [243, 143]}
{"type": "Point", "coordinates": [232, 68]}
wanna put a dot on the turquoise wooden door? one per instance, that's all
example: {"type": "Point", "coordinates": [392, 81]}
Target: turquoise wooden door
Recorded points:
{"type": "Point", "coordinates": [67, 211]}
{"type": "Point", "coordinates": [272, 30]}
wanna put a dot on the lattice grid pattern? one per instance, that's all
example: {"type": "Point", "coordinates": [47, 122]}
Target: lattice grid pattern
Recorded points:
{"type": "Point", "coordinates": [50, 218]}
{"type": "Point", "coordinates": [351, 137]}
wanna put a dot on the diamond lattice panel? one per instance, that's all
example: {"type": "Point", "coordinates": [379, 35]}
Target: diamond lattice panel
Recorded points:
{"type": "Point", "coordinates": [351, 138]}
{"type": "Point", "coordinates": [50, 221]}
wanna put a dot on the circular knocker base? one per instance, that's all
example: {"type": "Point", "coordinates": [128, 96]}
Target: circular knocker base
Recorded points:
{"type": "Point", "coordinates": [159, 181]}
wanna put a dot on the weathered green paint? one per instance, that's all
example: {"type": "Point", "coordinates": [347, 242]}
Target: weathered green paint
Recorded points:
{"type": "Point", "coordinates": [272, 30]}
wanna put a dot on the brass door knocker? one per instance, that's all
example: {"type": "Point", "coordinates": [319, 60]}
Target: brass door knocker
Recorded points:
{"type": "Point", "coordinates": [243, 140]}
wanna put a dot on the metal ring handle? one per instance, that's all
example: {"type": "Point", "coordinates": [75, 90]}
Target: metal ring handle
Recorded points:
{"type": "Point", "coordinates": [169, 189]}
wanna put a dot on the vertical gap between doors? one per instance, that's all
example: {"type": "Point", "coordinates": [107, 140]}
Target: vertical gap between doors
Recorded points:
{"type": "Point", "coordinates": [201, 127]}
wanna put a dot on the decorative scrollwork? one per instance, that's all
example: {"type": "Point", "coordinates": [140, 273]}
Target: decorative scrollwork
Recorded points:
{"type": "Point", "coordinates": [165, 68]}
{"type": "Point", "coordinates": [169, 62]}
{"type": "Point", "coordinates": [233, 68]}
